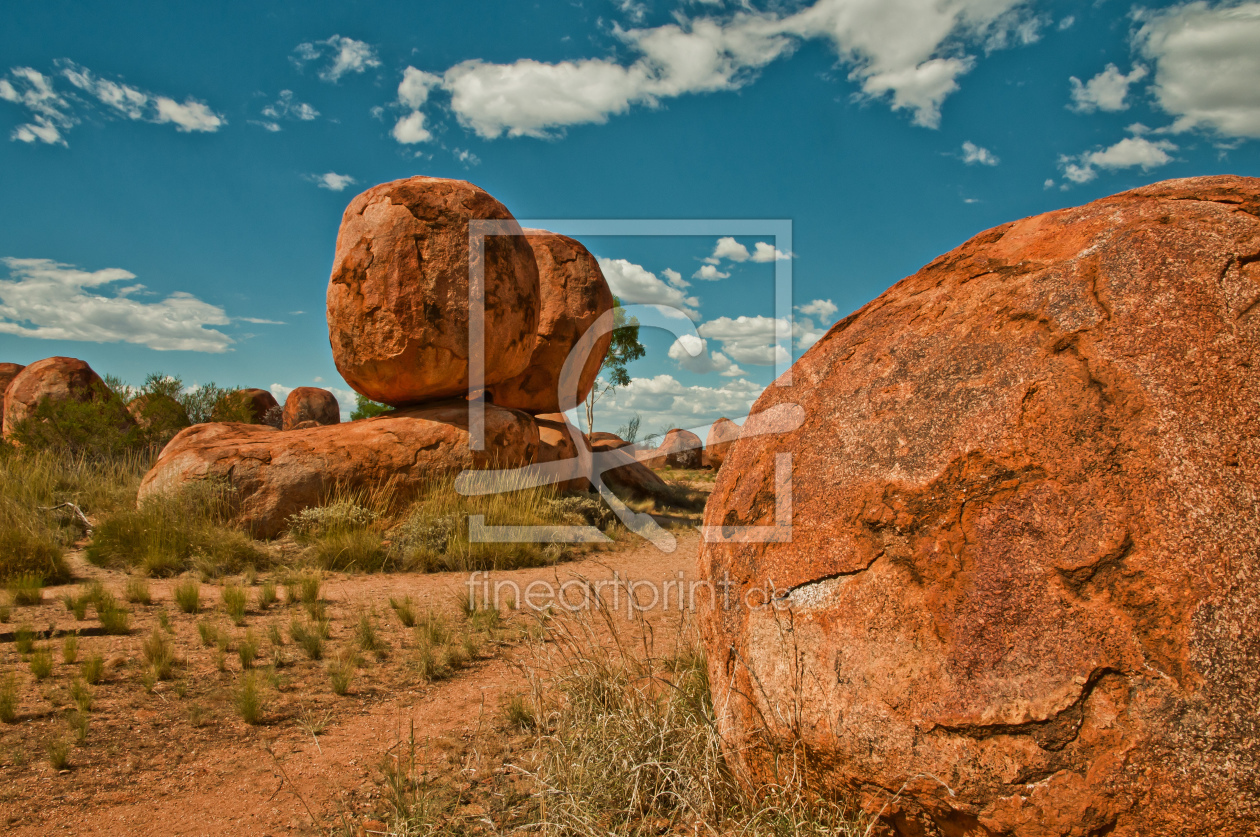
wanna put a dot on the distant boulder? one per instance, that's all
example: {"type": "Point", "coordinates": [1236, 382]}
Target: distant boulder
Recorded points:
{"type": "Point", "coordinates": [53, 379]}
{"type": "Point", "coordinates": [680, 449]}
{"type": "Point", "coordinates": [310, 404]}
{"type": "Point", "coordinates": [722, 435]}
{"type": "Point", "coordinates": [249, 406]}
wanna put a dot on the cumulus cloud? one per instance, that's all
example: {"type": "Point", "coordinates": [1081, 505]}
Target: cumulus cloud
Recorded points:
{"type": "Point", "coordinates": [410, 129]}
{"type": "Point", "coordinates": [1127, 153]}
{"type": "Point", "coordinates": [674, 278]}
{"type": "Point", "coordinates": [973, 154]}
{"type": "Point", "coordinates": [750, 340]}
{"type": "Point", "coordinates": [466, 157]}
{"type": "Point", "coordinates": [133, 103]}
{"type": "Point", "coordinates": [53, 301]}
{"type": "Point", "coordinates": [692, 353]}
{"type": "Point", "coordinates": [632, 283]}
{"type": "Point", "coordinates": [709, 273]}
{"type": "Point", "coordinates": [1105, 91]}
{"type": "Point", "coordinates": [1207, 65]}
{"type": "Point", "coordinates": [765, 252]}
{"type": "Point", "coordinates": [332, 181]}
{"type": "Point", "coordinates": [663, 402]}
{"type": "Point", "coordinates": [909, 52]}
{"type": "Point", "coordinates": [823, 308]}
{"type": "Point", "coordinates": [729, 248]}
{"type": "Point", "coordinates": [344, 55]}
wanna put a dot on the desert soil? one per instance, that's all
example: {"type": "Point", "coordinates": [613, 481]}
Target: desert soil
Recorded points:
{"type": "Point", "coordinates": [178, 760]}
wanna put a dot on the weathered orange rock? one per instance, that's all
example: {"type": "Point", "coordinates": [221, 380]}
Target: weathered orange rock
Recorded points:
{"type": "Point", "coordinates": [556, 445]}
{"type": "Point", "coordinates": [615, 460]}
{"type": "Point", "coordinates": [398, 294]}
{"type": "Point", "coordinates": [679, 449]}
{"type": "Point", "coordinates": [8, 371]}
{"type": "Point", "coordinates": [253, 403]}
{"type": "Point", "coordinates": [53, 378]}
{"type": "Point", "coordinates": [277, 474]}
{"type": "Point", "coordinates": [1021, 594]}
{"type": "Point", "coordinates": [612, 439]}
{"type": "Point", "coordinates": [574, 295]}
{"type": "Point", "coordinates": [310, 404]}
{"type": "Point", "coordinates": [722, 434]}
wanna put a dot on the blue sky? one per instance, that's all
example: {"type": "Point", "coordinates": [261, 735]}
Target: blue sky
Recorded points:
{"type": "Point", "coordinates": [174, 174]}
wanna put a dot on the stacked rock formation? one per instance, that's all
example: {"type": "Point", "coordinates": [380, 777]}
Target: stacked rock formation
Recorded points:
{"type": "Point", "coordinates": [398, 321]}
{"type": "Point", "coordinates": [574, 294]}
{"type": "Point", "coordinates": [307, 407]}
{"type": "Point", "coordinates": [252, 403]}
{"type": "Point", "coordinates": [1022, 587]}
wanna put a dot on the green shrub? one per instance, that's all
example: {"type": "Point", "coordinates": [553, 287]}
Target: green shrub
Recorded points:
{"type": "Point", "coordinates": [99, 426]}
{"type": "Point", "coordinates": [367, 408]}
{"type": "Point", "coordinates": [250, 697]}
{"type": "Point", "coordinates": [172, 533]}
{"type": "Point", "coordinates": [234, 599]}
{"type": "Point", "coordinates": [310, 637]}
{"type": "Point", "coordinates": [24, 639]}
{"type": "Point", "coordinates": [247, 650]}
{"type": "Point", "coordinates": [159, 653]}
{"type": "Point", "coordinates": [26, 555]}
{"type": "Point", "coordinates": [341, 514]}
{"type": "Point", "coordinates": [41, 663]}
{"type": "Point", "coordinates": [405, 609]}
{"type": "Point", "coordinates": [341, 673]}
{"type": "Point", "coordinates": [351, 550]}
{"type": "Point", "coordinates": [8, 699]}
{"type": "Point", "coordinates": [266, 595]}
{"type": "Point", "coordinates": [188, 595]}
{"type": "Point", "coordinates": [137, 591]}
{"type": "Point", "coordinates": [81, 694]}
{"type": "Point", "coordinates": [59, 753]}
{"type": "Point", "coordinates": [70, 649]}
{"type": "Point", "coordinates": [93, 669]}
{"type": "Point", "coordinates": [114, 617]}
{"type": "Point", "coordinates": [208, 631]}
{"type": "Point", "coordinates": [26, 589]}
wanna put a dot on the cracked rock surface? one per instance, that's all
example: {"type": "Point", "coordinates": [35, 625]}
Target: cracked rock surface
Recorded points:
{"type": "Point", "coordinates": [1022, 586]}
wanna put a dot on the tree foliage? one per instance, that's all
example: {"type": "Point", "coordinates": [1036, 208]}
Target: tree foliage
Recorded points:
{"type": "Point", "coordinates": [624, 349]}
{"type": "Point", "coordinates": [365, 407]}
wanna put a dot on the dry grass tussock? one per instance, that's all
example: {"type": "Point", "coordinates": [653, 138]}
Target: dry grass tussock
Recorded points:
{"type": "Point", "coordinates": [618, 739]}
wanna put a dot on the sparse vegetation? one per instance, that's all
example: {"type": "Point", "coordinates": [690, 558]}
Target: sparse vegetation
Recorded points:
{"type": "Point", "coordinates": [234, 599]}
{"type": "Point", "coordinates": [247, 650]}
{"type": "Point", "coordinates": [58, 753]}
{"type": "Point", "coordinates": [159, 653]}
{"type": "Point", "coordinates": [266, 595]}
{"type": "Point", "coordinates": [93, 669]}
{"type": "Point", "coordinates": [250, 697]}
{"type": "Point", "coordinates": [26, 589]}
{"type": "Point", "coordinates": [114, 617]}
{"type": "Point", "coordinates": [341, 672]}
{"type": "Point", "coordinates": [24, 639]}
{"type": "Point", "coordinates": [188, 595]}
{"type": "Point", "coordinates": [70, 649]}
{"type": "Point", "coordinates": [81, 694]}
{"type": "Point", "coordinates": [8, 698]}
{"type": "Point", "coordinates": [405, 610]}
{"type": "Point", "coordinates": [310, 637]}
{"type": "Point", "coordinates": [137, 591]}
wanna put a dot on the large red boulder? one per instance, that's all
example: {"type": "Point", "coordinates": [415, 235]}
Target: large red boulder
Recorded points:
{"type": "Point", "coordinates": [556, 444]}
{"type": "Point", "coordinates": [55, 379]}
{"type": "Point", "coordinates": [277, 474]}
{"type": "Point", "coordinates": [310, 404]}
{"type": "Point", "coordinates": [722, 434]}
{"type": "Point", "coordinates": [245, 405]}
{"type": "Point", "coordinates": [574, 295]}
{"type": "Point", "coordinates": [1021, 592]}
{"type": "Point", "coordinates": [398, 294]}
{"type": "Point", "coordinates": [679, 449]}
{"type": "Point", "coordinates": [615, 460]}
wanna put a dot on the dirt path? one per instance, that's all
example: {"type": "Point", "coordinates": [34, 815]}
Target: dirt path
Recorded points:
{"type": "Point", "coordinates": [179, 760]}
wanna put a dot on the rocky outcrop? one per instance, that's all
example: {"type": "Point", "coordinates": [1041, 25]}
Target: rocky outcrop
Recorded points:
{"type": "Point", "coordinates": [307, 404]}
{"type": "Point", "coordinates": [679, 449]}
{"type": "Point", "coordinates": [615, 460]}
{"type": "Point", "coordinates": [610, 440]}
{"type": "Point", "coordinates": [398, 294]}
{"type": "Point", "coordinates": [51, 379]}
{"type": "Point", "coordinates": [722, 434]}
{"type": "Point", "coordinates": [276, 474]}
{"type": "Point", "coordinates": [574, 295]}
{"type": "Point", "coordinates": [556, 444]}
{"type": "Point", "coordinates": [245, 405]}
{"type": "Point", "coordinates": [1021, 591]}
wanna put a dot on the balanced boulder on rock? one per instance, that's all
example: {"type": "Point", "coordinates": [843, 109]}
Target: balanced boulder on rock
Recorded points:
{"type": "Point", "coordinates": [310, 404]}
{"type": "Point", "coordinates": [246, 405]}
{"type": "Point", "coordinates": [574, 295]}
{"type": "Point", "coordinates": [398, 297]}
{"type": "Point", "coordinates": [277, 474]}
{"type": "Point", "coordinates": [1021, 591]}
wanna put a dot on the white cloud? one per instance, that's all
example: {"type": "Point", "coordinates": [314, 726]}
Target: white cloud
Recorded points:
{"type": "Point", "coordinates": [136, 104]}
{"type": "Point", "coordinates": [765, 252]}
{"type": "Point", "coordinates": [414, 89]}
{"type": "Point", "coordinates": [692, 353]}
{"type": "Point", "coordinates": [410, 129]}
{"type": "Point", "coordinates": [1067, 22]}
{"type": "Point", "coordinates": [287, 107]}
{"type": "Point", "coordinates": [49, 110]}
{"type": "Point", "coordinates": [332, 181]}
{"type": "Point", "coordinates": [466, 157]}
{"type": "Point", "coordinates": [675, 278]}
{"type": "Point", "coordinates": [823, 308]}
{"type": "Point", "coordinates": [905, 50]}
{"type": "Point", "coordinates": [53, 301]}
{"type": "Point", "coordinates": [709, 273]}
{"type": "Point", "coordinates": [729, 248]}
{"type": "Point", "coordinates": [1207, 65]}
{"type": "Point", "coordinates": [750, 339]}
{"type": "Point", "coordinates": [631, 283]}
{"type": "Point", "coordinates": [1127, 153]}
{"type": "Point", "coordinates": [346, 56]}
{"type": "Point", "coordinates": [663, 402]}
{"type": "Point", "coordinates": [1105, 91]}
{"type": "Point", "coordinates": [973, 154]}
